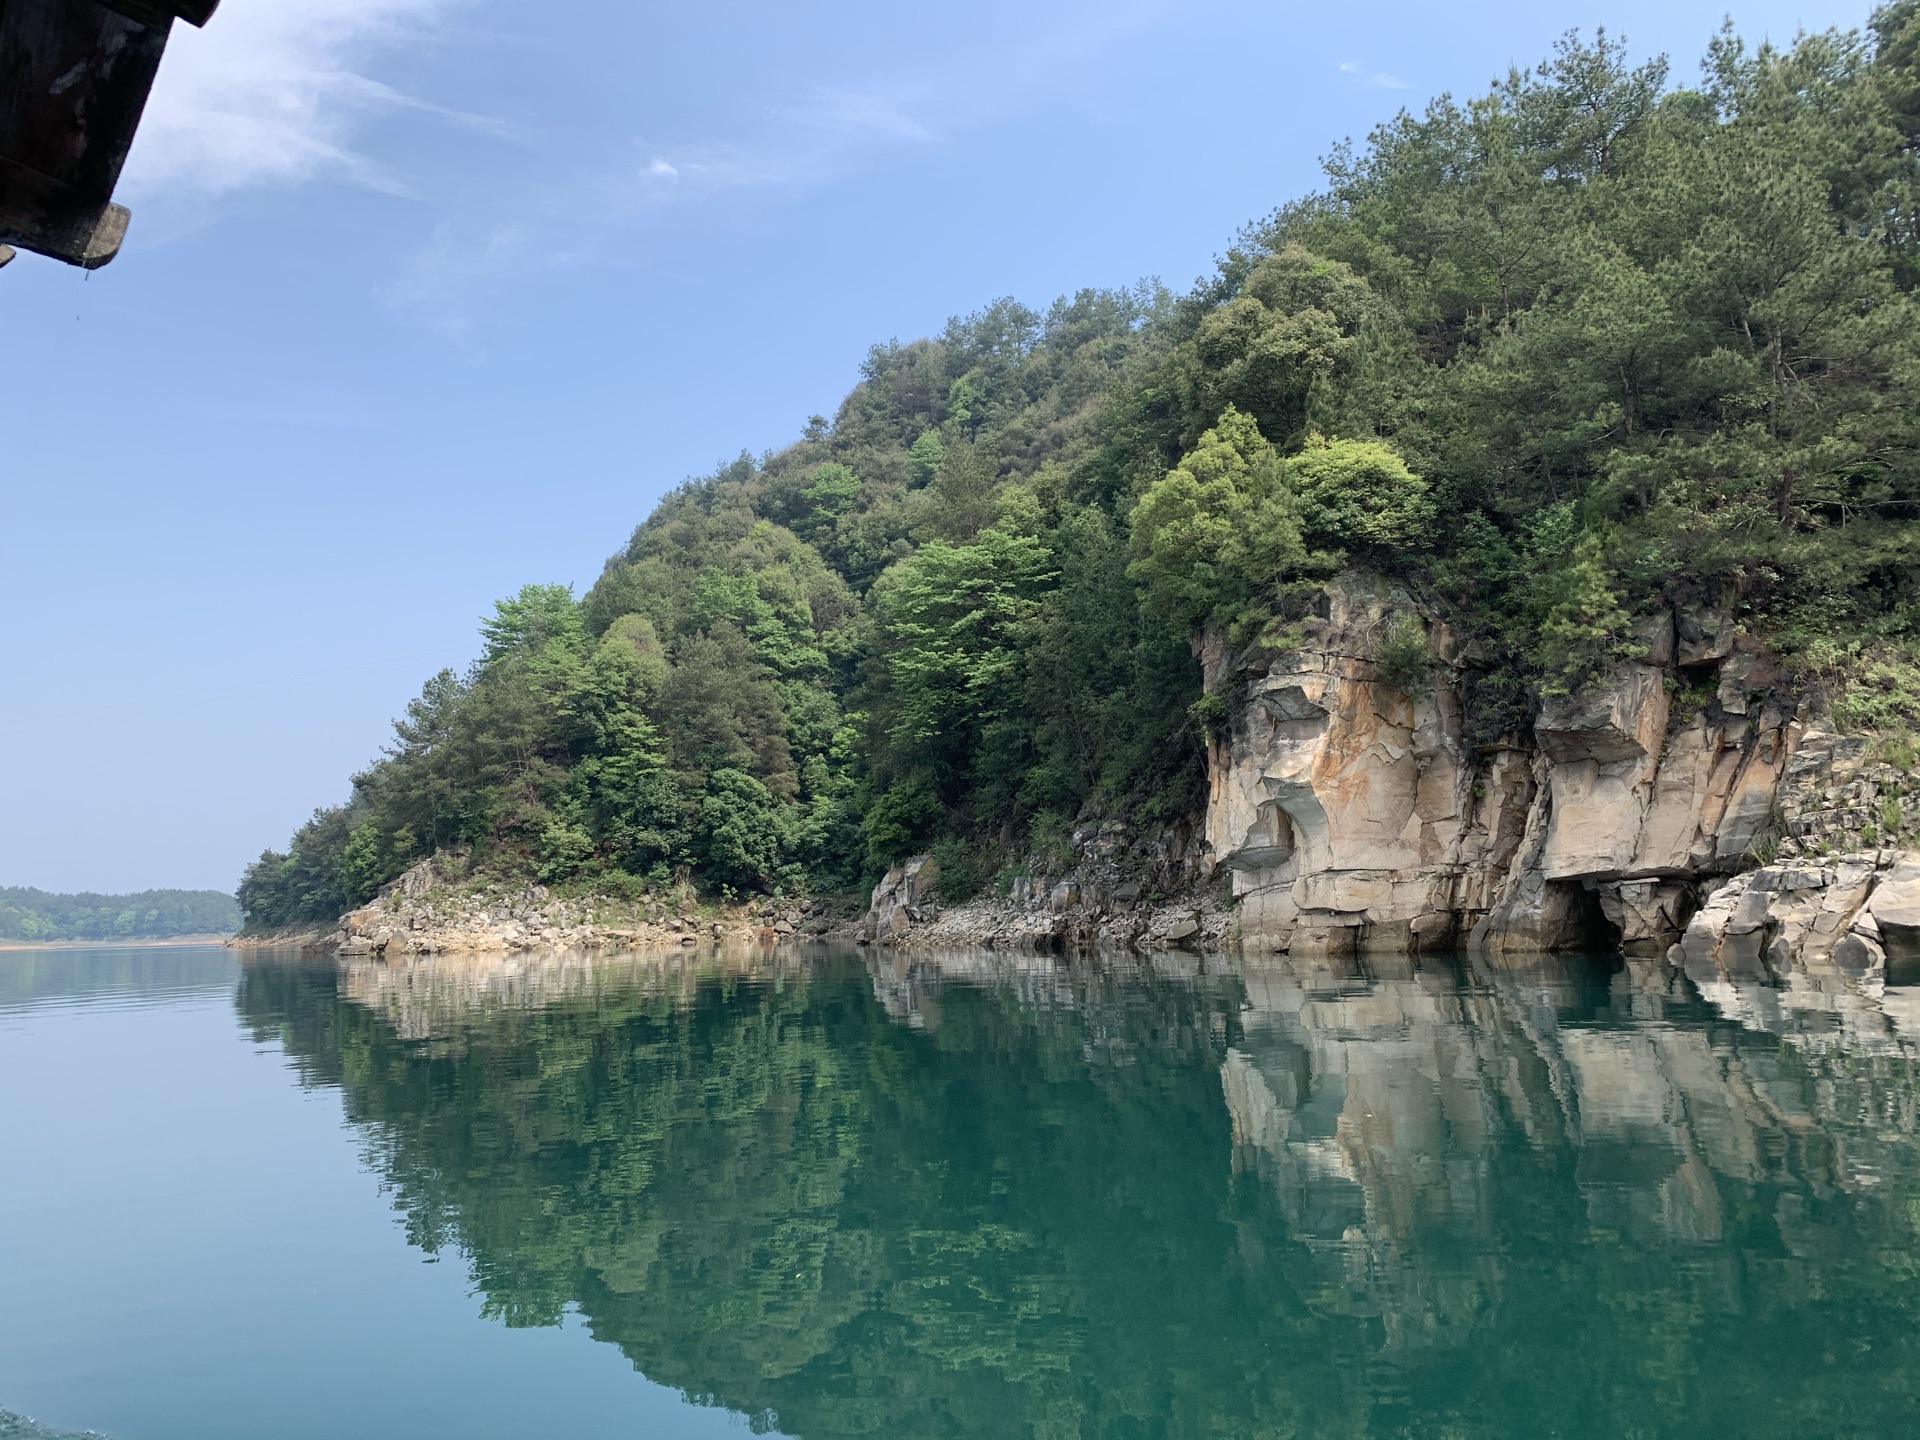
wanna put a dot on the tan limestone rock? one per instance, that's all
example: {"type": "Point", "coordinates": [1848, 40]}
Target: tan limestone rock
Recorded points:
{"type": "Point", "coordinates": [1605, 745]}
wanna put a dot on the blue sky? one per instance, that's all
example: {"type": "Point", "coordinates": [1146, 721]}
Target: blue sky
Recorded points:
{"type": "Point", "coordinates": [426, 299]}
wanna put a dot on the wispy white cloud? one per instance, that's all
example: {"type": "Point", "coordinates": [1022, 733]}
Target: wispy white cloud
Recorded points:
{"type": "Point", "coordinates": [815, 136]}
{"type": "Point", "coordinates": [1379, 79]}
{"type": "Point", "coordinates": [860, 114]}
{"type": "Point", "coordinates": [273, 92]}
{"type": "Point", "coordinates": [592, 206]}
{"type": "Point", "coordinates": [802, 142]}
{"type": "Point", "coordinates": [590, 209]}
{"type": "Point", "coordinates": [278, 91]}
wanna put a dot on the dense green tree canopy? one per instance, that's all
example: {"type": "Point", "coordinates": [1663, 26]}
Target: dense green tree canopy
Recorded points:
{"type": "Point", "coordinates": [30, 915]}
{"type": "Point", "coordinates": [1557, 355]}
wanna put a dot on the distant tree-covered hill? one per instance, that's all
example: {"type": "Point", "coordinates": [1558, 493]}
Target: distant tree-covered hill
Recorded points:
{"type": "Point", "coordinates": [150, 915]}
{"type": "Point", "coordinates": [1558, 357]}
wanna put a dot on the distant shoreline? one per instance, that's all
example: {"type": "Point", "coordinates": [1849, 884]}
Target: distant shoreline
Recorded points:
{"type": "Point", "coordinates": [169, 942]}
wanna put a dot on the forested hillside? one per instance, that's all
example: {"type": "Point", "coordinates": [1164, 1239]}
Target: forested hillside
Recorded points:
{"type": "Point", "coordinates": [31, 915]}
{"type": "Point", "coordinates": [1590, 343]}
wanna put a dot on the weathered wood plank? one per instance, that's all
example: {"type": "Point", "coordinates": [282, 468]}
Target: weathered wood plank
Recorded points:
{"type": "Point", "coordinates": [74, 80]}
{"type": "Point", "coordinates": [161, 12]}
{"type": "Point", "coordinates": [41, 214]}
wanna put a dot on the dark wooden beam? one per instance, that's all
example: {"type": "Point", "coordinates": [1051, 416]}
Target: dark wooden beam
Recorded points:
{"type": "Point", "coordinates": [74, 80]}
{"type": "Point", "coordinates": [161, 12]}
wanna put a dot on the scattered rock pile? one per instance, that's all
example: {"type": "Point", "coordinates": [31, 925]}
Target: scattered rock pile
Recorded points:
{"type": "Point", "coordinates": [1148, 892]}
{"type": "Point", "coordinates": [1858, 914]}
{"type": "Point", "coordinates": [1837, 796]}
{"type": "Point", "coordinates": [424, 913]}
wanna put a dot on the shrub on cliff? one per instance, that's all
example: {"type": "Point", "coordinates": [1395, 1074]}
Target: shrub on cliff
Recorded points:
{"type": "Point", "coordinates": [1357, 495]}
{"type": "Point", "coordinates": [1213, 535]}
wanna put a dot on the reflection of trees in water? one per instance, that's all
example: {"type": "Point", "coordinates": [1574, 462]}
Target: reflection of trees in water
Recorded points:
{"type": "Point", "coordinates": [987, 1195]}
{"type": "Point", "coordinates": [142, 975]}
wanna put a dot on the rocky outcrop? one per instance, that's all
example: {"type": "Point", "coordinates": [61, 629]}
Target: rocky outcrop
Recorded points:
{"type": "Point", "coordinates": [1354, 814]}
{"type": "Point", "coordinates": [1116, 888]}
{"type": "Point", "coordinates": [425, 912]}
{"type": "Point", "coordinates": [906, 895]}
{"type": "Point", "coordinates": [1070, 915]}
{"type": "Point", "coordinates": [1349, 812]}
{"type": "Point", "coordinates": [1855, 917]}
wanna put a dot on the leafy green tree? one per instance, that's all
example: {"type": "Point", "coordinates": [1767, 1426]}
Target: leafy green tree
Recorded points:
{"type": "Point", "coordinates": [831, 492]}
{"type": "Point", "coordinates": [953, 620]}
{"type": "Point", "coordinates": [1213, 536]}
{"type": "Point", "coordinates": [959, 501]}
{"type": "Point", "coordinates": [538, 617]}
{"type": "Point", "coordinates": [35, 915]}
{"type": "Point", "coordinates": [926, 455]}
{"type": "Point", "coordinates": [903, 818]}
{"type": "Point", "coordinates": [743, 834]}
{"type": "Point", "coordinates": [720, 711]}
{"type": "Point", "coordinates": [1358, 495]}
{"type": "Point", "coordinates": [1275, 348]}
{"type": "Point", "coordinates": [306, 882]}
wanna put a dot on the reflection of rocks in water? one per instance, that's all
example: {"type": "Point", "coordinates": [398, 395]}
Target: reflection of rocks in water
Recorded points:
{"type": "Point", "coordinates": [431, 997]}
{"type": "Point", "coordinates": [929, 1195]}
{"type": "Point", "coordinates": [1372, 1108]}
{"type": "Point", "coordinates": [1119, 1002]}
{"type": "Point", "coordinates": [1393, 1116]}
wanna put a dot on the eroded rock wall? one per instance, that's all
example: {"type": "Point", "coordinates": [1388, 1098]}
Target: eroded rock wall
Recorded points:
{"type": "Point", "coordinates": [1347, 810]}
{"type": "Point", "coordinates": [1353, 807]}
{"type": "Point", "coordinates": [1354, 814]}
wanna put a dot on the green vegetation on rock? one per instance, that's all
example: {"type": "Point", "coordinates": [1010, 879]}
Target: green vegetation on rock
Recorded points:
{"type": "Point", "coordinates": [1579, 348]}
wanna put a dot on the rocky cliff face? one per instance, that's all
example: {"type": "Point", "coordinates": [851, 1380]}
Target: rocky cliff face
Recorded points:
{"type": "Point", "coordinates": [1148, 892]}
{"type": "Point", "coordinates": [1356, 816]}
{"type": "Point", "coordinates": [1351, 811]}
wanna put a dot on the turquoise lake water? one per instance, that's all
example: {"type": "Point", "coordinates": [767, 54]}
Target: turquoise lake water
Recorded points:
{"type": "Point", "coordinates": [830, 1194]}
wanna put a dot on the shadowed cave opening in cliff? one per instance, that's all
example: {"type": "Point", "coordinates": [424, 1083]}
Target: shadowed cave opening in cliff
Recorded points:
{"type": "Point", "coordinates": [1902, 944]}
{"type": "Point", "coordinates": [1588, 927]}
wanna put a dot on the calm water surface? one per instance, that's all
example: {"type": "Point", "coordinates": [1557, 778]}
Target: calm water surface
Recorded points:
{"type": "Point", "coordinates": [826, 1194]}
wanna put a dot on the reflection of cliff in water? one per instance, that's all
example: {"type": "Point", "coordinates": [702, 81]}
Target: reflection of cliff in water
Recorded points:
{"type": "Point", "coordinates": [993, 1194]}
{"type": "Point", "coordinates": [1400, 1122]}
